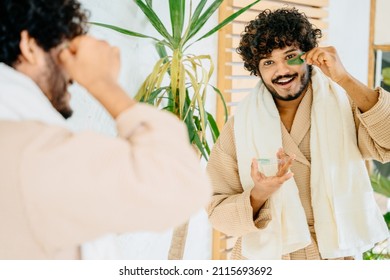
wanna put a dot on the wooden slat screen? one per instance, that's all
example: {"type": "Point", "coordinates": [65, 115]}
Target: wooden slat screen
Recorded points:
{"type": "Point", "coordinates": [234, 81]}
{"type": "Point", "coordinates": [375, 7]}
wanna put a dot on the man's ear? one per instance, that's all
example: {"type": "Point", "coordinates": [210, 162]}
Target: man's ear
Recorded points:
{"type": "Point", "coordinates": [28, 47]}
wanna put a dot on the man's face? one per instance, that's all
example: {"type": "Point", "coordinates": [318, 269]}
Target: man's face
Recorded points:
{"type": "Point", "coordinates": [284, 82]}
{"type": "Point", "coordinates": [54, 83]}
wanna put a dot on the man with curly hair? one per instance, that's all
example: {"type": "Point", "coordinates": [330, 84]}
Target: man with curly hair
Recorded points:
{"type": "Point", "coordinates": [308, 125]}
{"type": "Point", "coordinates": [59, 189]}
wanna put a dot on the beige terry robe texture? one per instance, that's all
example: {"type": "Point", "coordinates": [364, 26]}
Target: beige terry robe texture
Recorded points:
{"type": "Point", "coordinates": [230, 210]}
{"type": "Point", "coordinates": [59, 189]}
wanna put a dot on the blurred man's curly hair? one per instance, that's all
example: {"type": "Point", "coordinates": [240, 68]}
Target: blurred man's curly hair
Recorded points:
{"type": "Point", "coordinates": [48, 22]}
{"type": "Point", "coordinates": [275, 30]}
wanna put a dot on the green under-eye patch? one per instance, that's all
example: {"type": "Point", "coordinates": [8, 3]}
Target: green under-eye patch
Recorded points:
{"type": "Point", "coordinates": [296, 60]}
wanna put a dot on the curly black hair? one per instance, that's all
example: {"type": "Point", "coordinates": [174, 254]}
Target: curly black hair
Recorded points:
{"type": "Point", "coordinates": [48, 22]}
{"type": "Point", "coordinates": [275, 30]}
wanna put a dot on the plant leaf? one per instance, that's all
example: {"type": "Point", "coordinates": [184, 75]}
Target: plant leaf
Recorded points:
{"type": "Point", "coordinates": [223, 102]}
{"type": "Point", "coordinates": [124, 31]}
{"type": "Point", "coordinates": [203, 139]}
{"type": "Point", "coordinates": [182, 88]}
{"type": "Point", "coordinates": [177, 11]}
{"type": "Point", "coordinates": [149, 3]}
{"type": "Point", "coordinates": [197, 12]}
{"type": "Point", "coordinates": [152, 97]}
{"type": "Point", "coordinates": [386, 75]}
{"type": "Point", "coordinates": [154, 20]}
{"type": "Point", "coordinates": [196, 139]}
{"type": "Point", "coordinates": [228, 20]}
{"type": "Point", "coordinates": [387, 219]}
{"type": "Point", "coordinates": [190, 122]}
{"type": "Point", "coordinates": [380, 184]}
{"type": "Point", "coordinates": [171, 101]}
{"type": "Point", "coordinates": [175, 74]}
{"type": "Point", "coordinates": [149, 85]}
{"type": "Point", "coordinates": [382, 168]}
{"type": "Point", "coordinates": [198, 24]}
{"type": "Point", "coordinates": [213, 127]}
{"type": "Point", "coordinates": [162, 52]}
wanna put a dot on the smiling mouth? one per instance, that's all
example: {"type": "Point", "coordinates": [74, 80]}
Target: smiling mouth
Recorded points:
{"type": "Point", "coordinates": [284, 80]}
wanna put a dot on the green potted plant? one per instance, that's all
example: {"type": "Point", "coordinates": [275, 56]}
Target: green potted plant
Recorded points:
{"type": "Point", "coordinates": [188, 75]}
{"type": "Point", "coordinates": [381, 184]}
{"type": "Point", "coordinates": [386, 76]}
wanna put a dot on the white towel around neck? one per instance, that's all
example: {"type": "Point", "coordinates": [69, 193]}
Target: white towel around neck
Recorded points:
{"type": "Point", "coordinates": [347, 218]}
{"type": "Point", "coordinates": [22, 99]}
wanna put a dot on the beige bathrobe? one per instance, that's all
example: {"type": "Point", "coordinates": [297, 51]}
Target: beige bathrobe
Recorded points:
{"type": "Point", "coordinates": [230, 211]}
{"type": "Point", "coordinates": [59, 189]}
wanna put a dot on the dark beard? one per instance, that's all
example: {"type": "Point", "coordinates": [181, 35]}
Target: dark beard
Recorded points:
{"type": "Point", "coordinates": [304, 81]}
{"type": "Point", "coordinates": [57, 87]}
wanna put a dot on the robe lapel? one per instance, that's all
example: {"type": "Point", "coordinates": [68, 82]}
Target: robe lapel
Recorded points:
{"type": "Point", "coordinates": [300, 130]}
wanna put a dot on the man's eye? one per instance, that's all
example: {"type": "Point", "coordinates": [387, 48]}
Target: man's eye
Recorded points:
{"type": "Point", "coordinates": [290, 56]}
{"type": "Point", "coordinates": [267, 63]}
{"type": "Point", "coordinates": [295, 59]}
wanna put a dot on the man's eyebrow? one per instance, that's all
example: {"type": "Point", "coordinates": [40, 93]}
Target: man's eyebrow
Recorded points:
{"type": "Point", "coordinates": [286, 52]}
{"type": "Point", "coordinates": [265, 57]}
{"type": "Point", "coordinates": [290, 50]}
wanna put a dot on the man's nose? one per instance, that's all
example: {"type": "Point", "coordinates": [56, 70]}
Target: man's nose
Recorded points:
{"type": "Point", "coordinates": [282, 68]}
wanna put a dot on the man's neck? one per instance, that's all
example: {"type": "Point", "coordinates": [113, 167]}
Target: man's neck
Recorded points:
{"type": "Point", "coordinates": [288, 109]}
{"type": "Point", "coordinates": [289, 105]}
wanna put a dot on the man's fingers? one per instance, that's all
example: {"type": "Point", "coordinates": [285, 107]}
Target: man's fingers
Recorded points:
{"type": "Point", "coordinates": [283, 170]}
{"type": "Point", "coordinates": [285, 177]}
{"type": "Point", "coordinates": [284, 162]}
{"type": "Point", "coordinates": [255, 173]}
{"type": "Point", "coordinates": [311, 57]}
{"type": "Point", "coordinates": [254, 168]}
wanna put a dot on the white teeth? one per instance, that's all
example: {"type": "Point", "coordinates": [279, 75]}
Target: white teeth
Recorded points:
{"type": "Point", "coordinates": [285, 80]}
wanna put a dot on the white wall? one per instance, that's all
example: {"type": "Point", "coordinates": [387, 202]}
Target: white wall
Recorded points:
{"type": "Point", "coordinates": [350, 37]}
{"type": "Point", "coordinates": [137, 57]}
{"type": "Point", "coordinates": [349, 33]}
{"type": "Point", "coordinates": [382, 22]}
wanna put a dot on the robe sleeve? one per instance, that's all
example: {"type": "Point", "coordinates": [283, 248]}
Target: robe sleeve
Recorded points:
{"type": "Point", "coordinates": [230, 210]}
{"type": "Point", "coordinates": [80, 186]}
{"type": "Point", "coordinates": [373, 129]}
